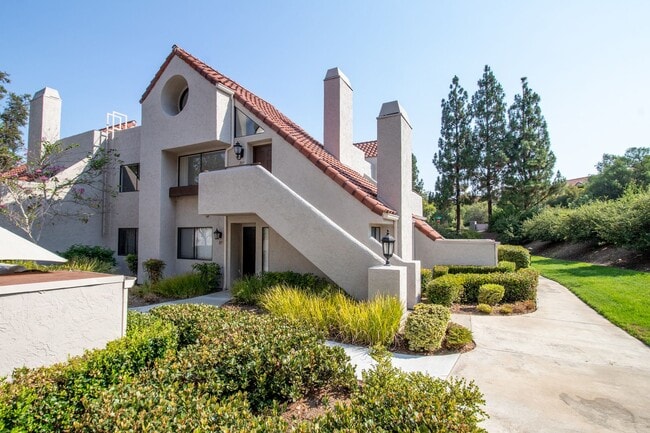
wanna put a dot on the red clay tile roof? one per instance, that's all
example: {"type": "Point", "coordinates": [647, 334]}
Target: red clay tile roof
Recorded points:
{"type": "Point", "coordinates": [120, 126]}
{"type": "Point", "coordinates": [19, 172]}
{"type": "Point", "coordinates": [353, 182]}
{"type": "Point", "coordinates": [369, 148]}
{"type": "Point", "coordinates": [577, 181]}
{"type": "Point", "coordinates": [426, 229]}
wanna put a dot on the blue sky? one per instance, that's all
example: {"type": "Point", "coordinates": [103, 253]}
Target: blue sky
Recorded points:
{"type": "Point", "coordinates": [588, 60]}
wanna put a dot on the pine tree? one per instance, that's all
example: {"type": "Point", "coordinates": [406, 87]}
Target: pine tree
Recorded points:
{"type": "Point", "coordinates": [489, 136]}
{"type": "Point", "coordinates": [417, 182]}
{"type": "Point", "coordinates": [528, 177]}
{"type": "Point", "coordinates": [12, 118]}
{"type": "Point", "coordinates": [455, 160]}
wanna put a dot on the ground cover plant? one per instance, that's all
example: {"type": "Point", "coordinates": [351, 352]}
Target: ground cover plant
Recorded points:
{"type": "Point", "coordinates": [620, 295]}
{"type": "Point", "coordinates": [187, 368]}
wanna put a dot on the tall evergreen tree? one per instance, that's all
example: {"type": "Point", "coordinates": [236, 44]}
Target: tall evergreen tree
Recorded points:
{"type": "Point", "coordinates": [528, 177]}
{"type": "Point", "coordinates": [489, 136]}
{"type": "Point", "coordinates": [417, 182]}
{"type": "Point", "coordinates": [455, 160]}
{"type": "Point", "coordinates": [12, 118]}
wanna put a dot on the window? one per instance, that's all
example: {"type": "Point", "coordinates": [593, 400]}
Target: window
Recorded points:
{"type": "Point", "coordinates": [195, 243]}
{"type": "Point", "coordinates": [244, 125]}
{"type": "Point", "coordinates": [129, 177]}
{"type": "Point", "coordinates": [127, 241]}
{"type": "Point", "coordinates": [190, 166]}
{"type": "Point", "coordinates": [375, 232]}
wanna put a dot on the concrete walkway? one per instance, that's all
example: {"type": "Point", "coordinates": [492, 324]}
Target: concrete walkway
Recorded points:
{"type": "Point", "coordinates": [563, 368]}
{"type": "Point", "coordinates": [217, 298]}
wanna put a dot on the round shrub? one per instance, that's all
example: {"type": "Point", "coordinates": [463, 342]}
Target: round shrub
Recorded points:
{"type": "Point", "coordinates": [457, 336]}
{"type": "Point", "coordinates": [490, 294]}
{"type": "Point", "coordinates": [484, 308]}
{"type": "Point", "coordinates": [426, 326]}
{"type": "Point", "coordinates": [440, 270]}
{"type": "Point", "coordinates": [444, 290]}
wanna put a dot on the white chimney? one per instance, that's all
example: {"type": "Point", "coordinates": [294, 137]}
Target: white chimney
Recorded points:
{"type": "Point", "coordinates": [44, 121]}
{"type": "Point", "coordinates": [394, 172]}
{"type": "Point", "coordinates": [337, 126]}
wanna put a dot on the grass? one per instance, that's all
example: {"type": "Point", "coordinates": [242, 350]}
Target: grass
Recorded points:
{"type": "Point", "coordinates": [620, 295]}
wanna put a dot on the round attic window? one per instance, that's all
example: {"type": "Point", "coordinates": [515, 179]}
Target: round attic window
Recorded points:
{"type": "Point", "coordinates": [174, 95]}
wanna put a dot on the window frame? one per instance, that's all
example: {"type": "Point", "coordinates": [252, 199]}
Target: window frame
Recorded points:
{"type": "Point", "coordinates": [376, 228]}
{"type": "Point", "coordinates": [122, 243]}
{"type": "Point", "coordinates": [123, 167]}
{"type": "Point", "coordinates": [200, 155]}
{"type": "Point", "coordinates": [179, 252]}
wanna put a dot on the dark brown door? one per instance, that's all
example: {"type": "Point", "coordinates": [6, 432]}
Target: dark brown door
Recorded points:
{"type": "Point", "coordinates": [248, 251]}
{"type": "Point", "coordinates": [262, 155]}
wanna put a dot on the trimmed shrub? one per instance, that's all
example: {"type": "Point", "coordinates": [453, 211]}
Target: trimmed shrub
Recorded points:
{"type": "Point", "coordinates": [426, 326]}
{"type": "Point", "coordinates": [514, 253]}
{"type": "Point", "coordinates": [132, 263]}
{"type": "Point", "coordinates": [445, 290]}
{"type": "Point", "coordinates": [209, 272]}
{"type": "Point", "coordinates": [192, 320]}
{"type": "Point", "coordinates": [78, 252]}
{"type": "Point", "coordinates": [426, 275]}
{"type": "Point", "coordinates": [484, 308]}
{"type": "Point", "coordinates": [507, 266]}
{"type": "Point", "coordinates": [473, 269]}
{"type": "Point", "coordinates": [519, 286]}
{"type": "Point", "coordinates": [490, 294]}
{"type": "Point", "coordinates": [248, 290]}
{"type": "Point", "coordinates": [154, 269]}
{"type": "Point", "coordinates": [506, 309]}
{"type": "Point", "coordinates": [457, 336]}
{"type": "Point", "coordinates": [391, 400]}
{"type": "Point", "coordinates": [440, 270]}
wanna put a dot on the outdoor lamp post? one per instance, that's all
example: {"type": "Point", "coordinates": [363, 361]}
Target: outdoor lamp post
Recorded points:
{"type": "Point", "coordinates": [239, 151]}
{"type": "Point", "coordinates": [217, 234]}
{"type": "Point", "coordinates": [388, 246]}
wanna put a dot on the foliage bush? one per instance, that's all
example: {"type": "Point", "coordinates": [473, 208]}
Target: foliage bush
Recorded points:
{"type": "Point", "coordinates": [342, 318]}
{"type": "Point", "coordinates": [519, 286]}
{"type": "Point", "coordinates": [154, 269]}
{"type": "Point", "coordinates": [248, 290]}
{"type": "Point", "coordinates": [516, 254]}
{"type": "Point", "coordinates": [78, 252]}
{"type": "Point", "coordinates": [426, 326]}
{"type": "Point", "coordinates": [439, 271]}
{"type": "Point", "coordinates": [444, 290]}
{"type": "Point", "coordinates": [507, 223]}
{"type": "Point", "coordinates": [426, 275]}
{"type": "Point", "coordinates": [473, 269]}
{"type": "Point", "coordinates": [209, 272]}
{"type": "Point", "coordinates": [132, 263]}
{"type": "Point", "coordinates": [484, 308]}
{"type": "Point", "coordinates": [507, 266]}
{"type": "Point", "coordinates": [490, 294]}
{"type": "Point", "coordinates": [506, 309]}
{"type": "Point", "coordinates": [457, 336]}
{"type": "Point", "coordinates": [181, 286]}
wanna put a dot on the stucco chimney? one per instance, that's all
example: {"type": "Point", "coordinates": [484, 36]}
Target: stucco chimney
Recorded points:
{"type": "Point", "coordinates": [44, 121]}
{"type": "Point", "coordinates": [337, 126]}
{"type": "Point", "coordinates": [394, 171]}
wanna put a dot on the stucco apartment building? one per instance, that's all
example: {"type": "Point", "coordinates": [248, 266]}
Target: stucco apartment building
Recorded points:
{"type": "Point", "coordinates": [216, 173]}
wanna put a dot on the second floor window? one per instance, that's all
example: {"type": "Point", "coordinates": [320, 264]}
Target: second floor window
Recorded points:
{"type": "Point", "coordinates": [129, 177]}
{"type": "Point", "coordinates": [190, 166]}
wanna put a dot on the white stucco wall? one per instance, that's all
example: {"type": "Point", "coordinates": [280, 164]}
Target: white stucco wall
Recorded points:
{"type": "Point", "coordinates": [482, 252]}
{"type": "Point", "coordinates": [44, 323]}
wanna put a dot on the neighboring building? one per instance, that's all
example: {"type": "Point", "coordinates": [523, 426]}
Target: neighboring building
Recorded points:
{"type": "Point", "coordinates": [288, 203]}
{"type": "Point", "coordinates": [578, 181]}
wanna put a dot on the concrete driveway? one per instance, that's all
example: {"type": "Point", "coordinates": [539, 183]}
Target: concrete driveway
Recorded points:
{"type": "Point", "coordinates": [563, 368]}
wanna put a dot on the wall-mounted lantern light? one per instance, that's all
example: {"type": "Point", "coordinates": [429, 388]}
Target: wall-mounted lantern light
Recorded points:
{"type": "Point", "coordinates": [217, 234]}
{"type": "Point", "coordinates": [388, 246]}
{"type": "Point", "coordinates": [239, 151]}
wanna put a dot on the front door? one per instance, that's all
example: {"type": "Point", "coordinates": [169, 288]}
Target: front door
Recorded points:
{"type": "Point", "coordinates": [262, 155]}
{"type": "Point", "coordinates": [248, 251]}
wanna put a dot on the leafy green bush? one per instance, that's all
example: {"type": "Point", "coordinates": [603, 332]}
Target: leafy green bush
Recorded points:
{"type": "Point", "coordinates": [444, 290]}
{"type": "Point", "coordinates": [132, 263]}
{"type": "Point", "coordinates": [248, 290]}
{"type": "Point", "coordinates": [514, 253]}
{"type": "Point", "coordinates": [82, 264]}
{"type": "Point", "coordinates": [484, 308]}
{"type": "Point", "coordinates": [439, 271]}
{"type": "Point", "coordinates": [519, 286]}
{"type": "Point", "coordinates": [507, 266]}
{"type": "Point", "coordinates": [391, 400]}
{"type": "Point", "coordinates": [548, 225]}
{"type": "Point", "coordinates": [457, 336]}
{"type": "Point", "coordinates": [490, 294]}
{"type": "Point", "coordinates": [506, 309]}
{"type": "Point", "coordinates": [181, 286]}
{"type": "Point", "coordinates": [78, 252]}
{"type": "Point", "coordinates": [154, 269]}
{"type": "Point", "coordinates": [367, 323]}
{"type": "Point", "coordinates": [192, 320]}
{"type": "Point", "coordinates": [426, 275]}
{"type": "Point", "coordinates": [426, 326]}
{"type": "Point", "coordinates": [473, 269]}
{"type": "Point", "coordinates": [507, 223]}
{"type": "Point", "coordinates": [209, 272]}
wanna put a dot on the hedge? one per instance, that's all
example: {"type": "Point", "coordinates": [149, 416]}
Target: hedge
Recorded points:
{"type": "Point", "coordinates": [519, 286]}
{"type": "Point", "coordinates": [426, 326]}
{"type": "Point", "coordinates": [514, 253]}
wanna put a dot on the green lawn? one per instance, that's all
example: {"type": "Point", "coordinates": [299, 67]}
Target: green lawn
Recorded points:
{"type": "Point", "coordinates": [621, 295]}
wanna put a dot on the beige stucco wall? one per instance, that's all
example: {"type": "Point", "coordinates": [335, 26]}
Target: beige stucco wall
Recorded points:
{"type": "Point", "coordinates": [44, 323]}
{"type": "Point", "coordinates": [481, 252]}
